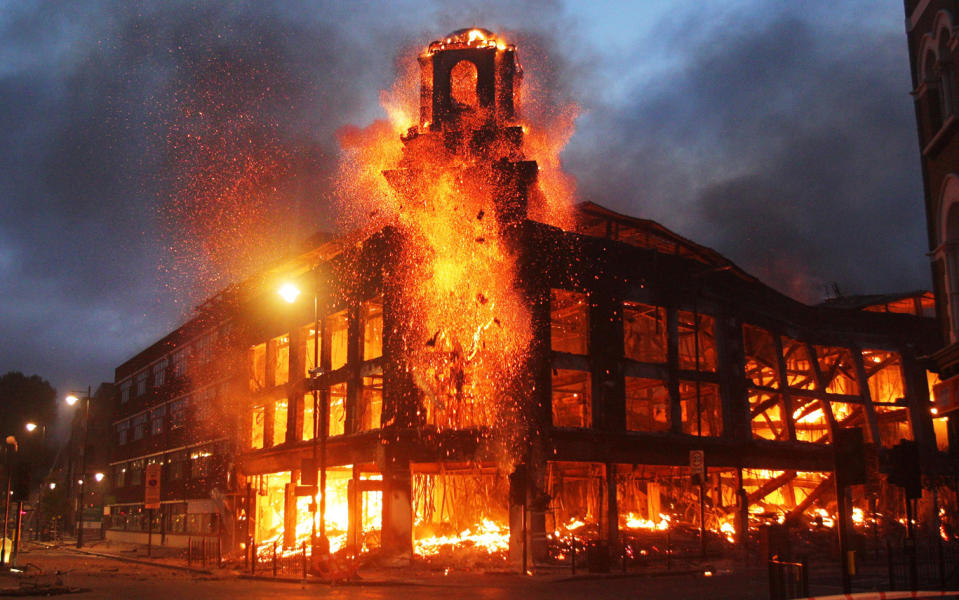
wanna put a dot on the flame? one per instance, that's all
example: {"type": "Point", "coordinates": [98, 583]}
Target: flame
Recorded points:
{"type": "Point", "coordinates": [634, 521]}
{"type": "Point", "coordinates": [488, 536]}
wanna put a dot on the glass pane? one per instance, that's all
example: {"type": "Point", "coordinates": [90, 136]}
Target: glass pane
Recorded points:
{"type": "Point", "coordinates": [644, 332]}
{"type": "Point", "coordinates": [838, 370]}
{"type": "Point", "coordinates": [337, 409]}
{"type": "Point", "coordinates": [259, 420]}
{"type": "Point", "coordinates": [810, 421]}
{"type": "Point", "coordinates": [258, 367]}
{"type": "Point", "coordinates": [281, 360]}
{"type": "Point", "coordinates": [767, 415]}
{"type": "Point", "coordinates": [647, 405]}
{"type": "Point", "coordinates": [307, 425]}
{"type": "Point", "coordinates": [279, 422]}
{"type": "Point", "coordinates": [337, 326]}
{"type": "Point", "coordinates": [371, 403]}
{"type": "Point", "coordinates": [697, 342]}
{"type": "Point", "coordinates": [883, 375]}
{"type": "Point", "coordinates": [762, 367]}
{"type": "Point", "coordinates": [372, 313]}
{"type": "Point", "coordinates": [702, 412]}
{"type": "Point", "coordinates": [568, 322]}
{"type": "Point", "coordinates": [571, 399]}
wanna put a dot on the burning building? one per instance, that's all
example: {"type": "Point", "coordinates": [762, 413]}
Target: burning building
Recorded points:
{"type": "Point", "coordinates": [490, 370]}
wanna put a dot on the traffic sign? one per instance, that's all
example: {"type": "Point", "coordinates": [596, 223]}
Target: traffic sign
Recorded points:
{"type": "Point", "coordinates": [152, 488]}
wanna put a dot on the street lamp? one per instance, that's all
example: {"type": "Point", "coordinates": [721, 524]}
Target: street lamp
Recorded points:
{"type": "Point", "coordinates": [72, 399]}
{"type": "Point", "coordinates": [290, 292]}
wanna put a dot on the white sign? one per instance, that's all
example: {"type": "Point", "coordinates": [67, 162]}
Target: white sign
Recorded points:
{"type": "Point", "coordinates": [697, 463]}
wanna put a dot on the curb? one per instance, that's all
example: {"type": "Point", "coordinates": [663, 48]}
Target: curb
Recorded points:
{"type": "Point", "coordinates": [141, 562]}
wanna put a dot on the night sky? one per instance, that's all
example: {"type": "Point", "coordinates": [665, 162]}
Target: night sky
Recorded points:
{"type": "Point", "coordinates": [781, 134]}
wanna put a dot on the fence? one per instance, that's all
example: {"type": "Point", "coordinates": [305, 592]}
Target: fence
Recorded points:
{"type": "Point", "coordinates": [914, 566]}
{"type": "Point", "coordinates": [788, 579]}
{"type": "Point", "coordinates": [204, 550]}
{"type": "Point", "coordinates": [272, 560]}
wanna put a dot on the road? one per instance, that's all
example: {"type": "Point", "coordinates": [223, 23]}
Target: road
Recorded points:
{"type": "Point", "coordinates": [110, 579]}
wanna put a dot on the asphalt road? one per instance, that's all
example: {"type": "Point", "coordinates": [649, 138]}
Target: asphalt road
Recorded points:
{"type": "Point", "coordinates": [110, 579]}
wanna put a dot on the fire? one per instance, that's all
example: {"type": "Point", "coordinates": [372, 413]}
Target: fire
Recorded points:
{"type": "Point", "coordinates": [634, 521]}
{"type": "Point", "coordinates": [488, 536]}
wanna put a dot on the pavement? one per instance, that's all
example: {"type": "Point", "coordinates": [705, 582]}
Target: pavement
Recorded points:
{"type": "Point", "coordinates": [113, 570]}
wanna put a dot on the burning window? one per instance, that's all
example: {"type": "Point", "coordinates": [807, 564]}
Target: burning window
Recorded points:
{"type": "Point", "coordinates": [463, 82]}
{"type": "Point", "coordinates": [311, 350]}
{"type": "Point", "coordinates": [775, 495]}
{"type": "Point", "coordinates": [569, 322]}
{"type": "Point", "coordinates": [940, 426]}
{"type": "Point", "coordinates": [270, 504]}
{"type": "Point", "coordinates": [702, 408]}
{"type": "Point", "coordinates": [337, 325]}
{"type": "Point", "coordinates": [850, 415]}
{"type": "Point", "coordinates": [459, 511]}
{"type": "Point", "coordinates": [762, 363]}
{"type": "Point", "coordinates": [572, 400]}
{"type": "Point", "coordinates": [647, 405]}
{"type": "Point", "coordinates": [337, 409]}
{"type": "Point", "coordinates": [887, 391]}
{"type": "Point", "coordinates": [257, 367]}
{"type": "Point", "coordinates": [371, 403]}
{"type": "Point", "coordinates": [810, 421]}
{"type": "Point", "coordinates": [372, 316]}
{"type": "Point", "coordinates": [577, 506]}
{"type": "Point", "coordinates": [697, 341]}
{"type": "Point", "coordinates": [258, 423]}
{"type": "Point", "coordinates": [768, 415]}
{"type": "Point", "coordinates": [279, 421]}
{"type": "Point", "coordinates": [201, 462]}
{"type": "Point", "coordinates": [644, 332]}
{"type": "Point", "coordinates": [800, 372]}
{"type": "Point", "coordinates": [838, 370]}
{"type": "Point", "coordinates": [281, 359]}
{"type": "Point", "coordinates": [307, 422]}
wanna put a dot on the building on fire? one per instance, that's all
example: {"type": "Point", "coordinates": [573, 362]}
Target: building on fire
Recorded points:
{"type": "Point", "coordinates": [639, 349]}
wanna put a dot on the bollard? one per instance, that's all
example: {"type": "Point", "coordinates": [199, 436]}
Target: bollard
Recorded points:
{"type": "Point", "coordinates": [274, 559]}
{"type": "Point", "coordinates": [305, 562]}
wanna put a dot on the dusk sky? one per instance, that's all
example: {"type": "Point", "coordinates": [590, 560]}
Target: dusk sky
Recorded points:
{"type": "Point", "coordinates": [781, 134]}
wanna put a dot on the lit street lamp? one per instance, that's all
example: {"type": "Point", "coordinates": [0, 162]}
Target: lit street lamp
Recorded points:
{"type": "Point", "coordinates": [71, 400]}
{"type": "Point", "coordinates": [290, 292]}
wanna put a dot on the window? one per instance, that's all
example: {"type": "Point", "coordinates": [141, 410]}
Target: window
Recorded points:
{"type": "Point", "coordinates": [257, 367]}
{"type": "Point", "coordinates": [136, 472]}
{"type": "Point", "coordinates": [337, 409]}
{"type": "Point", "coordinates": [159, 373]}
{"type": "Point", "coordinates": [176, 465]}
{"type": "Point", "coordinates": [125, 391]}
{"type": "Point", "coordinates": [337, 326]}
{"type": "Point", "coordinates": [201, 463]}
{"type": "Point", "coordinates": [762, 362]}
{"type": "Point", "coordinates": [203, 347]}
{"type": "Point", "coordinates": [569, 322]}
{"type": "Point", "coordinates": [371, 403]}
{"type": "Point", "coordinates": [697, 341]}
{"type": "Point", "coordinates": [281, 359]}
{"type": "Point", "coordinates": [571, 399]}
{"type": "Point", "coordinates": [279, 422]}
{"type": "Point", "coordinates": [838, 370]}
{"type": "Point", "coordinates": [647, 405]}
{"type": "Point", "coordinates": [311, 349]}
{"type": "Point", "coordinates": [887, 392]}
{"type": "Point", "coordinates": [768, 416]}
{"type": "Point", "coordinates": [644, 332]}
{"type": "Point", "coordinates": [139, 426]}
{"type": "Point", "coordinates": [142, 383]}
{"type": "Point", "coordinates": [120, 475]}
{"type": "Point", "coordinates": [258, 424]}
{"type": "Point", "coordinates": [800, 372]}
{"type": "Point", "coordinates": [307, 429]}
{"type": "Point", "coordinates": [177, 517]}
{"type": "Point", "coordinates": [809, 420]}
{"type": "Point", "coordinates": [372, 318]}
{"type": "Point", "coordinates": [157, 416]}
{"type": "Point", "coordinates": [702, 408]}
{"type": "Point", "coordinates": [178, 412]}
{"type": "Point", "coordinates": [123, 432]}
{"type": "Point", "coordinates": [180, 358]}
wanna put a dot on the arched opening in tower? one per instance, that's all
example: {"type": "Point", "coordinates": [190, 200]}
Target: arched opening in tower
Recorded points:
{"type": "Point", "coordinates": [463, 81]}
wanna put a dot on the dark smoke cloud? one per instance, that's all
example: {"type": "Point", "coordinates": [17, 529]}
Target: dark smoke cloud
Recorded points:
{"type": "Point", "coordinates": [780, 139]}
{"type": "Point", "coordinates": [784, 142]}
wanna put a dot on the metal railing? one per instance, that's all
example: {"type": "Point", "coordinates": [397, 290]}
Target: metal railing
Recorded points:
{"type": "Point", "coordinates": [788, 579]}
{"type": "Point", "coordinates": [204, 551]}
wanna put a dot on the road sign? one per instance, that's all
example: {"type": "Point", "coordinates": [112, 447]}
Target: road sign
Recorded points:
{"type": "Point", "coordinates": [697, 462]}
{"type": "Point", "coordinates": [152, 488]}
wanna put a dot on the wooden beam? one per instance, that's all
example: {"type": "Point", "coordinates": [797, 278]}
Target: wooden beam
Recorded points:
{"type": "Point", "coordinates": [771, 486]}
{"type": "Point", "coordinates": [824, 486]}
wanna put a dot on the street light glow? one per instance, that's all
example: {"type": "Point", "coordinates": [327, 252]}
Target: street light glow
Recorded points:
{"type": "Point", "coordinates": [289, 292]}
{"type": "Point", "coordinates": [53, 485]}
{"type": "Point", "coordinates": [98, 477]}
{"type": "Point", "coordinates": [72, 399]}
{"type": "Point", "coordinates": [31, 427]}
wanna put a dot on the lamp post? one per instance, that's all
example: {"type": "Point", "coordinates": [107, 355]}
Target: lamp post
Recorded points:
{"type": "Point", "coordinates": [10, 442]}
{"type": "Point", "coordinates": [31, 427]}
{"type": "Point", "coordinates": [290, 292]}
{"type": "Point", "coordinates": [72, 400]}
